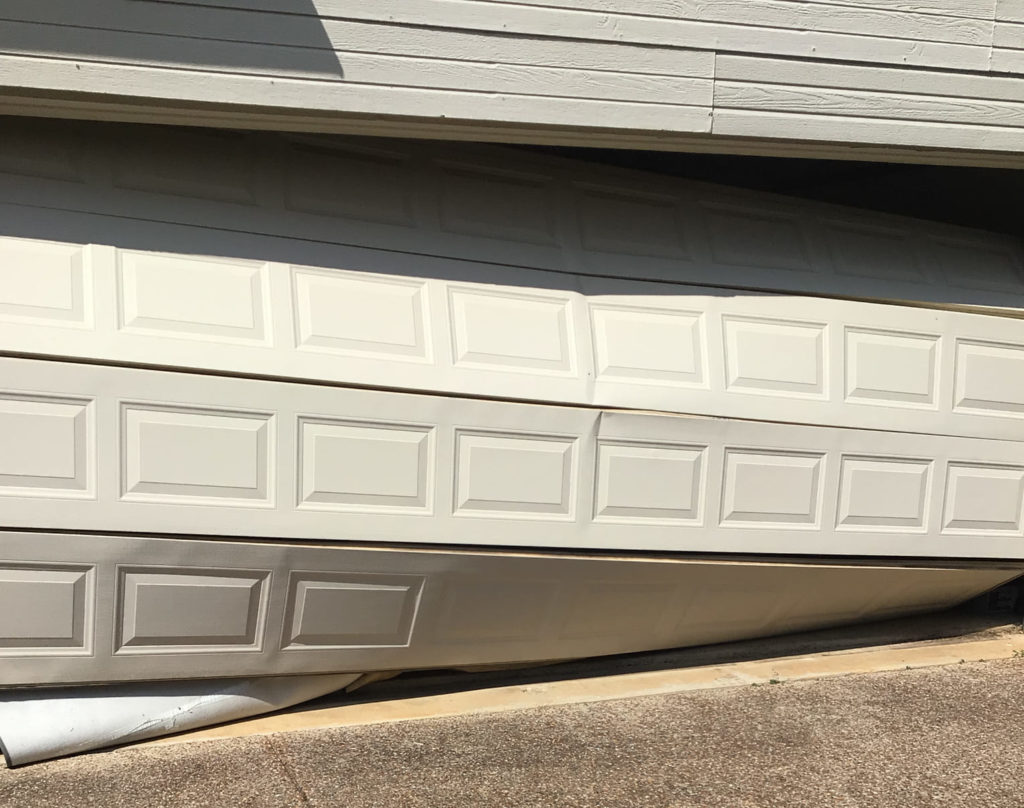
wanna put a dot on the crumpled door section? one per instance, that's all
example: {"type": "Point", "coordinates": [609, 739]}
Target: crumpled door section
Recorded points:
{"type": "Point", "coordinates": [37, 725]}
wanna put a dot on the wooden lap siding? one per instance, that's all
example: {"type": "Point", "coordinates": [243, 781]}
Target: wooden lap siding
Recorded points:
{"type": "Point", "coordinates": [943, 75]}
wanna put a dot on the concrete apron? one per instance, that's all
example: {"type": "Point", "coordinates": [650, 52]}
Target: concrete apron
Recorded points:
{"type": "Point", "coordinates": [605, 688]}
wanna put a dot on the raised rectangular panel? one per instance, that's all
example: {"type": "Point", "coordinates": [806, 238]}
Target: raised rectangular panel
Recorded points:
{"type": "Point", "coordinates": [353, 465]}
{"type": "Point", "coordinates": [208, 165]}
{"type": "Point", "coordinates": [497, 204]}
{"type": "Point", "coordinates": [525, 476]}
{"type": "Point", "coordinates": [974, 265]}
{"type": "Point", "coordinates": [344, 610]}
{"type": "Point", "coordinates": [658, 346]}
{"type": "Point", "coordinates": [44, 282]}
{"type": "Point", "coordinates": [884, 367]}
{"type": "Point", "coordinates": [984, 499]}
{"type": "Point", "coordinates": [44, 609]}
{"type": "Point", "coordinates": [358, 314]}
{"type": "Point", "coordinates": [883, 492]}
{"type": "Point", "coordinates": [631, 223]}
{"type": "Point", "coordinates": [775, 356]}
{"type": "Point", "coordinates": [872, 252]}
{"type": "Point", "coordinates": [989, 378]}
{"type": "Point", "coordinates": [208, 298]}
{"type": "Point", "coordinates": [771, 488]}
{"type": "Point", "coordinates": [190, 609]}
{"type": "Point", "coordinates": [45, 446]}
{"type": "Point", "coordinates": [168, 454]}
{"type": "Point", "coordinates": [370, 185]}
{"type": "Point", "coordinates": [754, 237]}
{"type": "Point", "coordinates": [512, 331]}
{"type": "Point", "coordinates": [638, 481]}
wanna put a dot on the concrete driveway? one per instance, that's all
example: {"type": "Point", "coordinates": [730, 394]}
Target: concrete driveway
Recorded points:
{"type": "Point", "coordinates": [940, 736]}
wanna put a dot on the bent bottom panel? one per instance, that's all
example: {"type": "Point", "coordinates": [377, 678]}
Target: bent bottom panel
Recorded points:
{"type": "Point", "coordinates": [91, 608]}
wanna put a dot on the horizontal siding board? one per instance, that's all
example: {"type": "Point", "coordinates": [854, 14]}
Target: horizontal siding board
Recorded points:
{"type": "Point", "coordinates": [892, 106]}
{"type": "Point", "coordinates": [861, 19]}
{"type": "Point", "coordinates": [524, 79]}
{"type": "Point", "coordinates": [967, 9]}
{"type": "Point", "coordinates": [121, 47]}
{"type": "Point", "coordinates": [367, 68]}
{"type": "Point", "coordinates": [1010, 10]}
{"type": "Point", "coordinates": [1008, 61]}
{"type": "Point", "coordinates": [927, 134]}
{"type": "Point", "coordinates": [811, 73]}
{"type": "Point", "coordinates": [206, 21]}
{"type": "Point", "coordinates": [242, 29]}
{"type": "Point", "coordinates": [299, 94]}
{"type": "Point", "coordinates": [498, 47]}
{"type": "Point", "coordinates": [594, 26]}
{"type": "Point", "coordinates": [1009, 35]}
{"type": "Point", "coordinates": [973, 9]}
{"type": "Point", "coordinates": [189, 21]}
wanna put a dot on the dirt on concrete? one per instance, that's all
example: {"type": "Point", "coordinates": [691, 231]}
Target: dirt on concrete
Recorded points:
{"type": "Point", "coordinates": [949, 736]}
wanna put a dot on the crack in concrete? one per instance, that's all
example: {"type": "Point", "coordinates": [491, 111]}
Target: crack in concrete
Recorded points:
{"type": "Point", "coordinates": [280, 756]}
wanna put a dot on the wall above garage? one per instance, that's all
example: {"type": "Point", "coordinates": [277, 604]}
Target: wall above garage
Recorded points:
{"type": "Point", "coordinates": [938, 81]}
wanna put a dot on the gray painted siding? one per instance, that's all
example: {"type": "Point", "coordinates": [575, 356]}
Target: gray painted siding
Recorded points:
{"type": "Point", "coordinates": [943, 75]}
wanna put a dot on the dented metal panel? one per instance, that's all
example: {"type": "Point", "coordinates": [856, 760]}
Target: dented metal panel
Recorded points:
{"type": "Point", "coordinates": [116, 608]}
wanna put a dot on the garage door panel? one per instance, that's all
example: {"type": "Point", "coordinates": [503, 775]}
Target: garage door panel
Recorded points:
{"type": "Point", "coordinates": [523, 334]}
{"type": "Point", "coordinates": [109, 608]}
{"type": "Point", "coordinates": [208, 455]}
